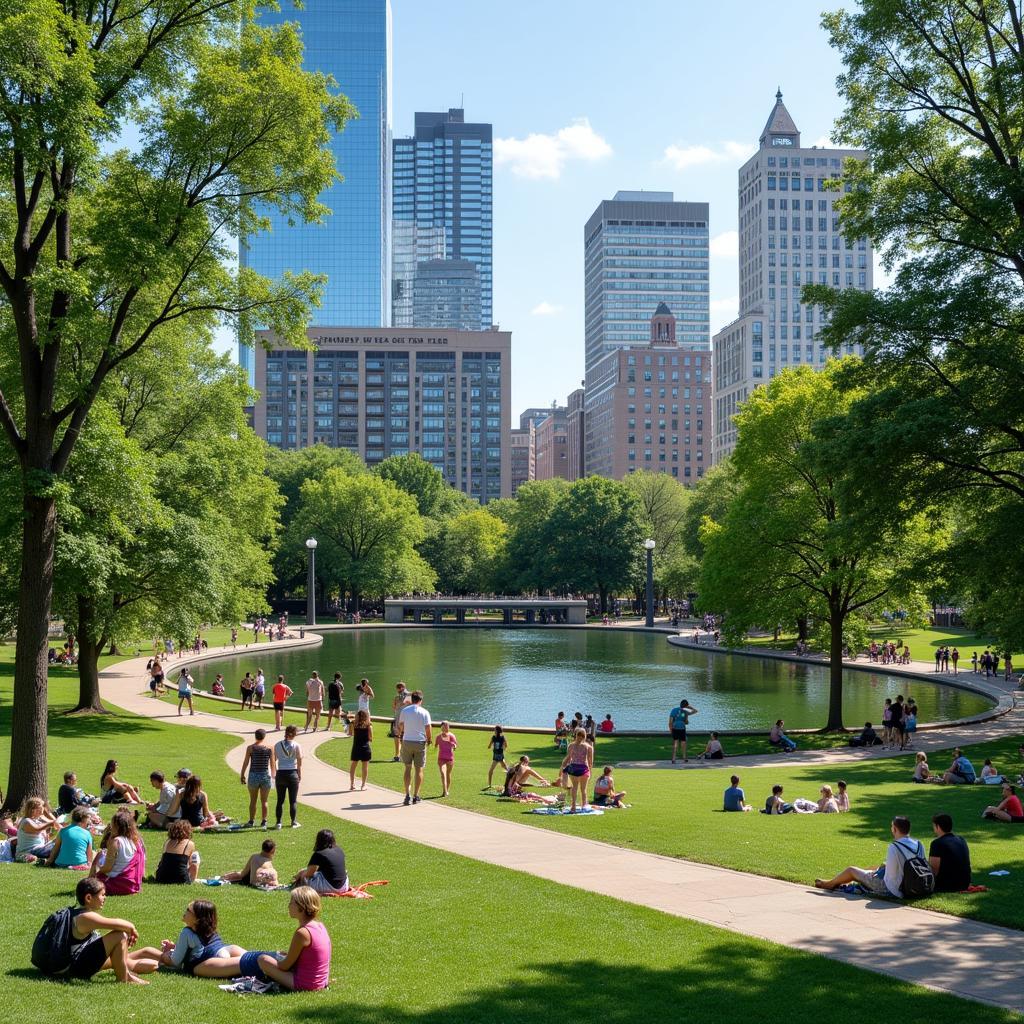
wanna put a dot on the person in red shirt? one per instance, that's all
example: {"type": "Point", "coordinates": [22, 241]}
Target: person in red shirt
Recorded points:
{"type": "Point", "coordinates": [1009, 809]}
{"type": "Point", "coordinates": [607, 725]}
{"type": "Point", "coordinates": [281, 694]}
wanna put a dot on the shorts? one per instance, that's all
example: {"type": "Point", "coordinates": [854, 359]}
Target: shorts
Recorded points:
{"type": "Point", "coordinates": [498, 756]}
{"type": "Point", "coordinates": [249, 963]}
{"type": "Point", "coordinates": [414, 752]}
{"type": "Point", "coordinates": [259, 780]}
{"type": "Point", "coordinates": [279, 705]}
{"type": "Point", "coordinates": [679, 734]}
{"type": "Point", "coordinates": [363, 753]}
{"type": "Point", "coordinates": [577, 771]}
{"type": "Point", "coordinates": [334, 705]}
{"type": "Point", "coordinates": [871, 881]}
{"type": "Point", "coordinates": [89, 959]}
{"type": "Point", "coordinates": [314, 705]}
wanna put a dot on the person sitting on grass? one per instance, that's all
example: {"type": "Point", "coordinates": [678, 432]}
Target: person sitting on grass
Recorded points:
{"type": "Point", "coordinates": [70, 795]}
{"type": "Point", "coordinates": [1008, 809]}
{"type": "Point", "coordinates": [121, 861]}
{"type": "Point", "coordinates": [326, 872]}
{"type": "Point", "coordinates": [734, 799]}
{"type": "Point", "coordinates": [112, 791]}
{"type": "Point", "coordinates": [34, 828]}
{"type": "Point", "coordinates": [179, 861]}
{"type": "Point", "coordinates": [867, 738]}
{"type": "Point", "coordinates": [518, 776]}
{"type": "Point", "coordinates": [887, 878]}
{"type": "Point", "coordinates": [92, 952]}
{"type": "Point", "coordinates": [199, 949]}
{"type": "Point", "coordinates": [827, 801]}
{"type": "Point", "coordinates": [989, 775]}
{"type": "Point", "coordinates": [922, 773]}
{"type": "Point", "coordinates": [604, 790]}
{"type": "Point", "coordinates": [949, 857]}
{"type": "Point", "coordinates": [842, 797]}
{"type": "Point", "coordinates": [259, 868]}
{"type": "Point", "coordinates": [561, 728]}
{"type": "Point", "coordinates": [775, 804]}
{"type": "Point", "coordinates": [713, 751]}
{"type": "Point", "coordinates": [778, 738]}
{"type": "Point", "coordinates": [158, 813]}
{"type": "Point", "coordinates": [73, 846]}
{"type": "Point", "coordinates": [218, 689]}
{"type": "Point", "coordinates": [306, 966]}
{"type": "Point", "coordinates": [961, 771]}
{"type": "Point", "coordinates": [192, 804]}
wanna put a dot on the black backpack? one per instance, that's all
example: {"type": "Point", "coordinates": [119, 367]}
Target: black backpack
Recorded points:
{"type": "Point", "coordinates": [918, 877]}
{"type": "Point", "coordinates": [51, 951]}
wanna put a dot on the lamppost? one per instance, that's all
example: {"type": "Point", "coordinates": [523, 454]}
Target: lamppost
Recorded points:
{"type": "Point", "coordinates": [649, 545]}
{"type": "Point", "coordinates": [311, 584]}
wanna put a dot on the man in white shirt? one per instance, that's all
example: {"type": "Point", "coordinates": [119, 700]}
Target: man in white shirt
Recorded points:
{"type": "Point", "coordinates": [887, 878]}
{"type": "Point", "coordinates": [314, 701]}
{"type": "Point", "coordinates": [414, 732]}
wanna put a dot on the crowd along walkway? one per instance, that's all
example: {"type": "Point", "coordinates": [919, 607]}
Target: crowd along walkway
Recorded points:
{"type": "Point", "coordinates": [968, 958]}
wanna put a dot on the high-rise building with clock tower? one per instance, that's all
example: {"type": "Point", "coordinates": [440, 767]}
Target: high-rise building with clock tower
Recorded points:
{"type": "Point", "coordinates": [789, 237]}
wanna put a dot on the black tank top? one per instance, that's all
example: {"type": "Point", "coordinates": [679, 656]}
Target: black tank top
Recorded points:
{"type": "Point", "coordinates": [173, 869]}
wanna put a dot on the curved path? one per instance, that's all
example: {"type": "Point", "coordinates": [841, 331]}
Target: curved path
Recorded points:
{"type": "Point", "coordinates": [967, 958]}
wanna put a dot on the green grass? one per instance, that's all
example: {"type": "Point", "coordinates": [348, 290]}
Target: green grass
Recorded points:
{"type": "Point", "coordinates": [678, 813]}
{"type": "Point", "coordinates": [449, 940]}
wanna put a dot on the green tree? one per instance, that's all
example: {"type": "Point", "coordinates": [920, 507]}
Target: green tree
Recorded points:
{"type": "Point", "coordinates": [534, 503]}
{"type": "Point", "coordinates": [593, 537]}
{"type": "Point", "coordinates": [793, 540]}
{"type": "Point", "coordinates": [106, 244]}
{"type": "Point", "coordinates": [368, 529]}
{"type": "Point", "coordinates": [709, 499]}
{"type": "Point", "coordinates": [414, 475]}
{"type": "Point", "coordinates": [468, 552]}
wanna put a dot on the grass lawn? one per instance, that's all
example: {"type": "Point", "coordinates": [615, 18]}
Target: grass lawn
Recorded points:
{"type": "Point", "coordinates": [449, 940]}
{"type": "Point", "coordinates": [678, 813]}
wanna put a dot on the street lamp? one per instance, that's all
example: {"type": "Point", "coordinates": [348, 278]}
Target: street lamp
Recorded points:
{"type": "Point", "coordinates": [311, 584]}
{"type": "Point", "coordinates": [649, 545]}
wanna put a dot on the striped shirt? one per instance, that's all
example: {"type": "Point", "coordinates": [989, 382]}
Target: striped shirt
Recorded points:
{"type": "Point", "coordinates": [259, 759]}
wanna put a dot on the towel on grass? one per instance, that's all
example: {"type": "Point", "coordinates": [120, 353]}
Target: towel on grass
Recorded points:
{"type": "Point", "coordinates": [566, 810]}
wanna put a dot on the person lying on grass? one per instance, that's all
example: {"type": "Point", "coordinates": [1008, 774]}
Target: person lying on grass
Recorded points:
{"type": "Point", "coordinates": [92, 952]}
{"type": "Point", "coordinates": [199, 949]}
{"type": "Point", "coordinates": [73, 846]}
{"type": "Point", "coordinates": [306, 966]}
{"type": "Point", "coordinates": [259, 868]}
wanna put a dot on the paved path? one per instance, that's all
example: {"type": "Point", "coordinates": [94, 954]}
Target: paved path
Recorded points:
{"type": "Point", "coordinates": [968, 958]}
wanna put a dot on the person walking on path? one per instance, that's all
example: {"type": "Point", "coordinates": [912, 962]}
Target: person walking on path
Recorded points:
{"type": "Point", "coordinates": [335, 693]}
{"type": "Point", "coordinates": [577, 764]}
{"type": "Point", "coordinates": [678, 719]}
{"type": "Point", "coordinates": [446, 744]}
{"type": "Point", "coordinates": [281, 694]}
{"type": "Point", "coordinates": [185, 691]}
{"type": "Point", "coordinates": [415, 736]}
{"type": "Point", "coordinates": [314, 701]}
{"type": "Point", "coordinates": [400, 700]}
{"type": "Point", "coordinates": [362, 751]}
{"type": "Point", "coordinates": [261, 765]}
{"type": "Point", "coordinates": [288, 755]}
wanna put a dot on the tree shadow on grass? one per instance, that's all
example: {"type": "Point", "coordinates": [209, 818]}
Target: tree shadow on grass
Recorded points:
{"type": "Point", "coordinates": [720, 981]}
{"type": "Point", "coordinates": [63, 726]}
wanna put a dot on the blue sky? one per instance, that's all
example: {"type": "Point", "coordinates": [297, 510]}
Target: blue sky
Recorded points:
{"type": "Point", "coordinates": [592, 97]}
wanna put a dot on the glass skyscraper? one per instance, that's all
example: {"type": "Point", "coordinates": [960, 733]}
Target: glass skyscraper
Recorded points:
{"type": "Point", "coordinates": [350, 40]}
{"type": "Point", "coordinates": [441, 196]}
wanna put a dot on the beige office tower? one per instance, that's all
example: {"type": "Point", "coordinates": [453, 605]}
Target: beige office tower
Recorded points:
{"type": "Point", "coordinates": [789, 236]}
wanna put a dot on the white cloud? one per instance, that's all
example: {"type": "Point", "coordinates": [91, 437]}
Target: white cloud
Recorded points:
{"type": "Point", "coordinates": [682, 158]}
{"type": "Point", "coordinates": [544, 156]}
{"type": "Point", "coordinates": [726, 244]}
{"type": "Point", "coordinates": [725, 305]}
{"type": "Point", "coordinates": [545, 309]}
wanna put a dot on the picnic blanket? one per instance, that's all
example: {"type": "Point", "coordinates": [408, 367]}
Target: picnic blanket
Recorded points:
{"type": "Point", "coordinates": [566, 810]}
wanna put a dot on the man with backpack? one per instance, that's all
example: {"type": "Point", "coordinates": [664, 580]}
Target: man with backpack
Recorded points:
{"type": "Point", "coordinates": [906, 874]}
{"type": "Point", "coordinates": [69, 945]}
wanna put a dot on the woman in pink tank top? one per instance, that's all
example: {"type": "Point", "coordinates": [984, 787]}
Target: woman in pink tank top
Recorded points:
{"type": "Point", "coordinates": [307, 964]}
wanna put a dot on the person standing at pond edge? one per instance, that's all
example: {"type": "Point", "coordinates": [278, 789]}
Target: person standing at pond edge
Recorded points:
{"type": "Point", "coordinates": [678, 719]}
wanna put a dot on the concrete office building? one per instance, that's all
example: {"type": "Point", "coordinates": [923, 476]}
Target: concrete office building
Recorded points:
{"type": "Point", "coordinates": [351, 41]}
{"type": "Point", "coordinates": [549, 439]}
{"type": "Point", "coordinates": [576, 427]}
{"type": "Point", "coordinates": [441, 203]}
{"type": "Point", "coordinates": [520, 457]}
{"type": "Point", "coordinates": [641, 249]}
{"type": "Point", "coordinates": [649, 407]}
{"type": "Point", "coordinates": [444, 394]}
{"type": "Point", "coordinates": [528, 419]}
{"type": "Point", "coordinates": [789, 237]}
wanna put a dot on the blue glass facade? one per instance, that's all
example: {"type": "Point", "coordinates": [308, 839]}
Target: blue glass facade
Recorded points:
{"type": "Point", "coordinates": [350, 40]}
{"type": "Point", "coordinates": [442, 201]}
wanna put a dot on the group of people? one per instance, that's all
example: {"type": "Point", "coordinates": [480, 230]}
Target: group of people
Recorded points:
{"type": "Point", "coordinates": [565, 728]}
{"type": "Point", "coordinates": [829, 801]}
{"type": "Point", "coordinates": [888, 653]}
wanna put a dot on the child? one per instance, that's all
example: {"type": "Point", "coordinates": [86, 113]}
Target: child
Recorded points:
{"type": "Point", "coordinates": [775, 804]}
{"type": "Point", "coordinates": [989, 775]}
{"type": "Point", "coordinates": [306, 966]}
{"type": "Point", "coordinates": [446, 744]}
{"type": "Point", "coordinates": [179, 861]}
{"type": "Point", "coordinates": [73, 846]}
{"type": "Point", "coordinates": [497, 745]}
{"type": "Point", "coordinates": [259, 868]}
{"type": "Point", "coordinates": [887, 731]}
{"type": "Point", "coordinates": [604, 790]}
{"type": "Point", "coordinates": [842, 797]}
{"type": "Point", "coordinates": [92, 952]}
{"type": "Point", "coordinates": [910, 722]}
{"type": "Point", "coordinates": [71, 795]}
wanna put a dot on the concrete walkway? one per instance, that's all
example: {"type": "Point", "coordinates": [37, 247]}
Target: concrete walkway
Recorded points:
{"type": "Point", "coordinates": [970, 959]}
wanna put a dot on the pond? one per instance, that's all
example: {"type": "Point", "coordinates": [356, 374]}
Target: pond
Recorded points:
{"type": "Point", "coordinates": [525, 676]}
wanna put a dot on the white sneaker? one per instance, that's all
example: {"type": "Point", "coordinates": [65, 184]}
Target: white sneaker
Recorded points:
{"type": "Point", "coordinates": [295, 824]}
{"type": "Point", "coordinates": [277, 827]}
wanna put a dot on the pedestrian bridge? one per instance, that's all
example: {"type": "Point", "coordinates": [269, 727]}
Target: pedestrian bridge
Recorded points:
{"type": "Point", "coordinates": [530, 611]}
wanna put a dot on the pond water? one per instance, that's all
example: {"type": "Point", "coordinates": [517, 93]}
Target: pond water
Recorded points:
{"type": "Point", "coordinates": [525, 676]}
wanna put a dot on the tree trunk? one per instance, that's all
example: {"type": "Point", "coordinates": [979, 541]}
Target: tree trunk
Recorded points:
{"type": "Point", "coordinates": [114, 651]}
{"type": "Point", "coordinates": [835, 672]}
{"type": "Point", "coordinates": [603, 595]}
{"type": "Point", "coordinates": [28, 775]}
{"type": "Point", "coordinates": [801, 628]}
{"type": "Point", "coordinates": [89, 648]}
